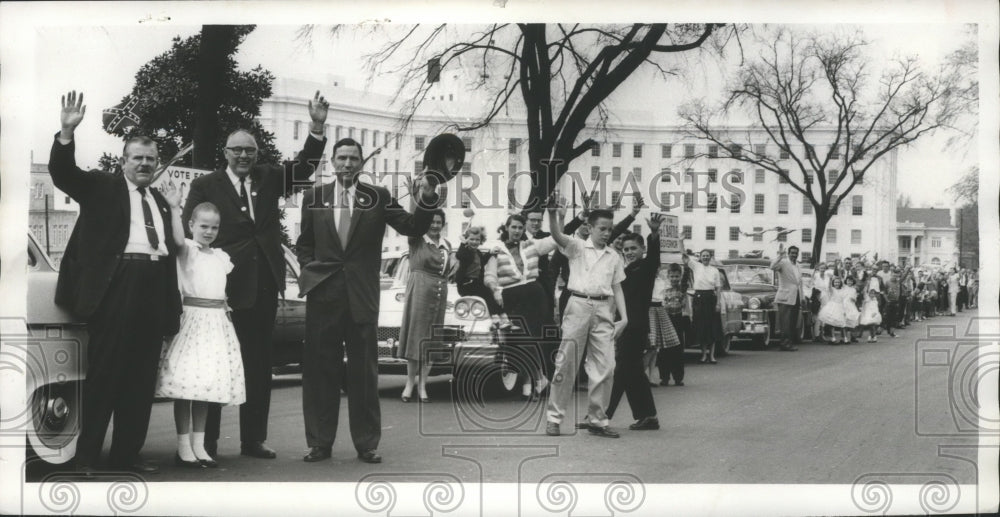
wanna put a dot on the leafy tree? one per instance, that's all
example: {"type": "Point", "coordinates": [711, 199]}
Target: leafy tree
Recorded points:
{"type": "Point", "coordinates": [813, 95]}
{"type": "Point", "coordinates": [167, 90]}
{"type": "Point", "coordinates": [561, 74]}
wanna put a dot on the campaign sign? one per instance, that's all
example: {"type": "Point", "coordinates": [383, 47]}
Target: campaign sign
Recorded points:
{"type": "Point", "coordinates": [670, 239]}
{"type": "Point", "coordinates": [182, 178]}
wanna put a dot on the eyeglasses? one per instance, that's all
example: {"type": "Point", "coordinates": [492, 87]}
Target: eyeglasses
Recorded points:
{"type": "Point", "coordinates": [251, 151]}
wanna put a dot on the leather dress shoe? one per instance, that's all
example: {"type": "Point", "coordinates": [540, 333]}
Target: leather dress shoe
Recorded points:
{"type": "Point", "coordinates": [604, 432]}
{"type": "Point", "coordinates": [552, 429]}
{"type": "Point", "coordinates": [788, 348]}
{"type": "Point", "coordinates": [317, 454]}
{"type": "Point", "coordinates": [181, 462]}
{"type": "Point", "coordinates": [257, 450]}
{"type": "Point", "coordinates": [212, 448]}
{"type": "Point", "coordinates": [139, 467]}
{"type": "Point", "coordinates": [648, 423]}
{"type": "Point", "coordinates": [370, 456]}
{"type": "Point", "coordinates": [209, 463]}
{"type": "Point", "coordinates": [583, 425]}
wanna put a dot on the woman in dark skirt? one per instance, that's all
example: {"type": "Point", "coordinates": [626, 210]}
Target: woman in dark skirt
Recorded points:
{"type": "Point", "coordinates": [512, 274]}
{"type": "Point", "coordinates": [426, 299]}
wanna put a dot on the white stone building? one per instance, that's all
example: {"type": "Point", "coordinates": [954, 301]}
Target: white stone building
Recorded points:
{"type": "Point", "coordinates": [661, 158]}
{"type": "Point", "coordinates": [926, 236]}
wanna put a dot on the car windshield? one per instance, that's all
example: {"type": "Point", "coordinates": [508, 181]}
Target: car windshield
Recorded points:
{"type": "Point", "coordinates": [747, 274]}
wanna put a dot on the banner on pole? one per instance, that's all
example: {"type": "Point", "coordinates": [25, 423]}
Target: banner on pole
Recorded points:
{"type": "Point", "coordinates": [670, 239]}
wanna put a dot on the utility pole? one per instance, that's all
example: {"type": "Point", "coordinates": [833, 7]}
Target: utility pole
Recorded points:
{"type": "Point", "coordinates": [47, 250]}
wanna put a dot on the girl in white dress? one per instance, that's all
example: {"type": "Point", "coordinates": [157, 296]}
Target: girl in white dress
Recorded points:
{"type": "Point", "coordinates": [871, 317]}
{"type": "Point", "coordinates": [202, 363]}
{"type": "Point", "coordinates": [851, 312]}
{"type": "Point", "coordinates": [832, 312]}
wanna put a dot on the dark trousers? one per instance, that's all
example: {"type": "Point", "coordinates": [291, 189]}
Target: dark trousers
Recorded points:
{"type": "Point", "coordinates": [704, 318]}
{"type": "Point", "coordinates": [670, 361]}
{"type": "Point", "coordinates": [630, 377]}
{"type": "Point", "coordinates": [330, 332]}
{"type": "Point", "coordinates": [903, 313]}
{"type": "Point", "coordinates": [962, 300]}
{"type": "Point", "coordinates": [788, 320]}
{"type": "Point", "coordinates": [890, 314]}
{"type": "Point", "coordinates": [478, 288]}
{"type": "Point", "coordinates": [254, 327]}
{"type": "Point", "coordinates": [123, 353]}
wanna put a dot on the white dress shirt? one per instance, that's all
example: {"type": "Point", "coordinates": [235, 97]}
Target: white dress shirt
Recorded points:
{"type": "Point", "coordinates": [338, 190]}
{"type": "Point", "coordinates": [251, 195]}
{"type": "Point", "coordinates": [138, 242]}
{"type": "Point", "coordinates": [706, 278]}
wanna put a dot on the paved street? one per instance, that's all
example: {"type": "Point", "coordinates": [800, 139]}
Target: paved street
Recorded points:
{"type": "Point", "coordinates": [824, 414]}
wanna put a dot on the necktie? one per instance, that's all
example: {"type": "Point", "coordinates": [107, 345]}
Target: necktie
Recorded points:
{"type": "Point", "coordinates": [147, 217]}
{"type": "Point", "coordinates": [243, 196]}
{"type": "Point", "coordinates": [344, 216]}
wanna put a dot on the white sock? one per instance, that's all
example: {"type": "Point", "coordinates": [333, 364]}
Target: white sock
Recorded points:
{"type": "Point", "coordinates": [184, 447]}
{"type": "Point", "coordinates": [526, 390]}
{"type": "Point", "coordinates": [198, 446]}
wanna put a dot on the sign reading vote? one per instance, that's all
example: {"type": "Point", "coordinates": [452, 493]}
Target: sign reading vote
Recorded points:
{"type": "Point", "coordinates": [670, 239]}
{"type": "Point", "coordinates": [182, 178]}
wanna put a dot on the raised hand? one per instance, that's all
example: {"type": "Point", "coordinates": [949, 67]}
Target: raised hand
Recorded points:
{"type": "Point", "coordinates": [318, 109]}
{"type": "Point", "coordinates": [781, 250]}
{"type": "Point", "coordinates": [172, 194]}
{"type": "Point", "coordinates": [654, 221]}
{"type": "Point", "coordinates": [637, 204]}
{"type": "Point", "coordinates": [73, 111]}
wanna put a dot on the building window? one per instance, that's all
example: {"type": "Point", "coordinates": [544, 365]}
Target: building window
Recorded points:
{"type": "Point", "coordinates": [468, 143]}
{"type": "Point", "coordinates": [782, 153]}
{"type": "Point", "coordinates": [734, 233]}
{"type": "Point", "coordinates": [398, 138]}
{"type": "Point", "coordinates": [810, 151]}
{"type": "Point", "coordinates": [734, 254]}
{"type": "Point", "coordinates": [831, 177]}
{"type": "Point", "coordinates": [385, 137]}
{"type": "Point", "coordinates": [364, 136]}
{"type": "Point", "coordinates": [466, 202]}
{"type": "Point", "coordinates": [834, 152]}
{"type": "Point", "coordinates": [339, 133]}
{"type": "Point", "coordinates": [67, 200]}
{"type": "Point", "coordinates": [616, 173]}
{"type": "Point", "coordinates": [687, 231]}
{"type": "Point", "coordinates": [713, 203]}
{"type": "Point", "coordinates": [807, 206]}
{"type": "Point", "coordinates": [595, 173]}
{"type": "Point", "coordinates": [511, 197]}
{"type": "Point", "coordinates": [397, 166]}
{"type": "Point", "coordinates": [350, 132]}
{"type": "Point", "coordinates": [783, 177]}
{"type": "Point", "coordinates": [713, 151]}
{"type": "Point", "coordinates": [737, 176]}
{"type": "Point", "coordinates": [857, 205]}
{"type": "Point", "coordinates": [374, 138]}
{"type": "Point", "coordinates": [736, 150]}
{"type": "Point", "coordinates": [782, 203]}
{"type": "Point", "coordinates": [758, 176]}
{"type": "Point", "coordinates": [858, 153]}
{"type": "Point", "coordinates": [596, 149]}
{"type": "Point", "coordinates": [418, 167]}
{"type": "Point", "coordinates": [688, 176]}
{"type": "Point", "coordinates": [782, 237]}
{"type": "Point", "coordinates": [760, 150]}
{"type": "Point", "coordinates": [666, 151]}
{"type": "Point", "coordinates": [637, 151]}
{"type": "Point", "coordinates": [831, 236]}
{"type": "Point", "coordinates": [512, 168]}
{"type": "Point", "coordinates": [636, 228]}
{"type": "Point", "coordinates": [834, 204]}
{"type": "Point", "coordinates": [665, 175]}
{"type": "Point", "coordinates": [809, 177]}
{"type": "Point", "coordinates": [689, 150]}
{"type": "Point", "coordinates": [418, 143]}
{"type": "Point", "coordinates": [637, 173]}
{"type": "Point", "coordinates": [935, 242]}
{"type": "Point", "coordinates": [466, 168]}
{"type": "Point", "coordinates": [807, 235]}
{"type": "Point", "coordinates": [757, 235]}
{"type": "Point", "coordinates": [616, 150]}
{"type": "Point", "coordinates": [688, 202]}
{"type": "Point", "coordinates": [665, 201]}
{"type": "Point", "coordinates": [855, 236]}
{"type": "Point", "coordinates": [295, 129]}
{"type": "Point", "coordinates": [512, 145]}
{"type": "Point", "coordinates": [709, 233]}
{"type": "Point", "coordinates": [713, 175]}
{"type": "Point", "coordinates": [758, 203]}
{"type": "Point", "coordinates": [615, 198]}
{"type": "Point", "coordinates": [734, 203]}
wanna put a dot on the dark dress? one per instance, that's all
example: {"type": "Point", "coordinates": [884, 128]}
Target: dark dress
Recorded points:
{"type": "Point", "coordinates": [426, 296]}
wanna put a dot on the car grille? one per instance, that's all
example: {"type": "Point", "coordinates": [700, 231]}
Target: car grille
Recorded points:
{"type": "Point", "coordinates": [383, 334]}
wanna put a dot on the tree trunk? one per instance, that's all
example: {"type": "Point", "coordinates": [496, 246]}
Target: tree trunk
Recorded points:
{"type": "Point", "coordinates": [817, 246]}
{"type": "Point", "coordinates": [214, 50]}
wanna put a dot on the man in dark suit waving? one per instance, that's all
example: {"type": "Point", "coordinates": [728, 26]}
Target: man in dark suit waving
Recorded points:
{"type": "Point", "coordinates": [247, 195]}
{"type": "Point", "coordinates": [340, 250]}
{"type": "Point", "coordinates": [119, 274]}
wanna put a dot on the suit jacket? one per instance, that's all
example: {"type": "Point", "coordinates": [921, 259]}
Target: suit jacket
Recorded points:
{"type": "Point", "coordinates": [246, 239]}
{"type": "Point", "coordinates": [789, 281]}
{"type": "Point", "coordinates": [350, 274]}
{"type": "Point", "coordinates": [99, 237]}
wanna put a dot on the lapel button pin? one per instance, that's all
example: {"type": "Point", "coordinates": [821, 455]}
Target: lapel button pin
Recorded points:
{"type": "Point", "coordinates": [243, 209]}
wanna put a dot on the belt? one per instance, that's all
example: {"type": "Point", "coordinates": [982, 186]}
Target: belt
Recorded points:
{"type": "Point", "coordinates": [209, 303]}
{"type": "Point", "coordinates": [578, 295]}
{"type": "Point", "coordinates": [142, 256]}
{"type": "Point", "coordinates": [656, 304]}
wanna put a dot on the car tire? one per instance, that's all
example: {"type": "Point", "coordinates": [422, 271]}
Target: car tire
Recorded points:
{"type": "Point", "coordinates": [760, 342]}
{"type": "Point", "coordinates": [55, 421]}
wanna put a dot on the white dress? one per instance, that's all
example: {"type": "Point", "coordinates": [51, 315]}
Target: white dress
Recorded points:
{"type": "Point", "coordinates": [870, 314]}
{"type": "Point", "coordinates": [832, 312]}
{"type": "Point", "coordinates": [851, 313]}
{"type": "Point", "coordinates": [203, 361]}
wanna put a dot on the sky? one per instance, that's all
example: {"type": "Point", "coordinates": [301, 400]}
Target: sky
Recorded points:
{"type": "Point", "coordinates": [101, 61]}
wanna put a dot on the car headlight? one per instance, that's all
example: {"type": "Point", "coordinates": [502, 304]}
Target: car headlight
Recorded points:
{"type": "Point", "coordinates": [462, 309]}
{"type": "Point", "coordinates": [753, 303]}
{"type": "Point", "coordinates": [400, 296]}
{"type": "Point", "coordinates": [478, 310]}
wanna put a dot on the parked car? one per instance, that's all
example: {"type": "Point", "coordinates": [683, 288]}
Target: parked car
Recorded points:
{"type": "Point", "coordinates": [756, 283]}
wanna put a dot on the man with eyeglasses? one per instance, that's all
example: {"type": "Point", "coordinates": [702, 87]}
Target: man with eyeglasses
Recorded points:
{"type": "Point", "coordinates": [247, 195]}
